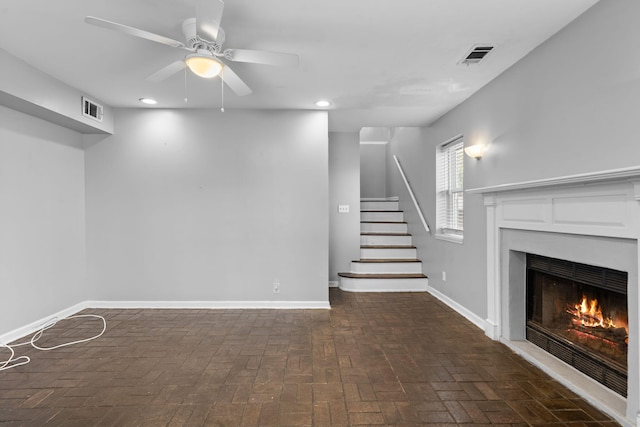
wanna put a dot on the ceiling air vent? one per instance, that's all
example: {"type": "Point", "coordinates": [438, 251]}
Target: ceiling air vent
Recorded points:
{"type": "Point", "coordinates": [476, 54]}
{"type": "Point", "coordinates": [91, 109]}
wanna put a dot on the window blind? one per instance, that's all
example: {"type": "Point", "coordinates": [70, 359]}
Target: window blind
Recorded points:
{"type": "Point", "coordinates": [451, 187]}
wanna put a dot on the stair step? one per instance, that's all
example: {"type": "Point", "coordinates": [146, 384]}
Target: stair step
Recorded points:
{"type": "Point", "coordinates": [390, 252]}
{"type": "Point", "coordinates": [382, 222]}
{"type": "Point", "coordinates": [351, 282]}
{"type": "Point", "coordinates": [385, 260]}
{"type": "Point", "coordinates": [383, 276]}
{"type": "Point", "coordinates": [385, 239]}
{"type": "Point", "coordinates": [388, 259]}
{"type": "Point", "coordinates": [384, 234]}
{"type": "Point", "coordinates": [386, 266]}
{"type": "Point", "coordinates": [383, 227]}
{"type": "Point", "coordinates": [386, 216]}
{"type": "Point", "coordinates": [387, 247]}
{"type": "Point", "coordinates": [379, 204]}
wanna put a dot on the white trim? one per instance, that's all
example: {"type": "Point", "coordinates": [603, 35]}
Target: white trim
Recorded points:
{"type": "Point", "coordinates": [599, 204]}
{"type": "Point", "coordinates": [373, 142]}
{"type": "Point", "coordinates": [450, 140]}
{"type": "Point", "coordinates": [333, 283]}
{"type": "Point", "coordinates": [376, 289]}
{"type": "Point", "coordinates": [583, 178]}
{"type": "Point", "coordinates": [470, 316]}
{"type": "Point", "coordinates": [413, 197]}
{"type": "Point", "coordinates": [211, 304]}
{"type": "Point", "coordinates": [350, 284]}
{"type": "Point", "coordinates": [380, 199]}
{"type": "Point", "coordinates": [33, 327]}
{"type": "Point", "coordinates": [453, 238]}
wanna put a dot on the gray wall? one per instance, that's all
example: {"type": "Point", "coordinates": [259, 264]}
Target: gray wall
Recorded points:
{"type": "Point", "coordinates": [568, 107]}
{"type": "Point", "coordinates": [208, 206]}
{"type": "Point", "coordinates": [344, 189]}
{"type": "Point", "coordinates": [42, 219]}
{"type": "Point", "coordinates": [27, 89]}
{"type": "Point", "coordinates": [373, 170]}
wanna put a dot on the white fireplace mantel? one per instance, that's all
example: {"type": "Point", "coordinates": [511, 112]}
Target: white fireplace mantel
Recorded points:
{"type": "Point", "coordinates": [624, 174]}
{"type": "Point", "coordinates": [604, 204]}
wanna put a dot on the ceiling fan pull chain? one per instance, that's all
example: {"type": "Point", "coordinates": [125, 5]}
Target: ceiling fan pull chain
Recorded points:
{"type": "Point", "coordinates": [185, 86]}
{"type": "Point", "coordinates": [222, 91]}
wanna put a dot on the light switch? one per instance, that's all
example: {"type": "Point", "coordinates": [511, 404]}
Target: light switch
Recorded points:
{"type": "Point", "coordinates": [343, 208]}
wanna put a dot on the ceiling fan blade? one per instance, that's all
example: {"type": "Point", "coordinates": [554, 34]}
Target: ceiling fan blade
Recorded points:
{"type": "Point", "coordinates": [262, 57]}
{"type": "Point", "coordinates": [166, 72]}
{"type": "Point", "coordinates": [136, 32]}
{"type": "Point", "coordinates": [208, 17]}
{"type": "Point", "coordinates": [234, 82]}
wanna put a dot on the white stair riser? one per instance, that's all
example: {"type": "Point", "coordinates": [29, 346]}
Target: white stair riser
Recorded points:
{"type": "Point", "coordinates": [382, 216]}
{"type": "Point", "coordinates": [386, 267]}
{"type": "Point", "coordinates": [385, 227]}
{"type": "Point", "coordinates": [380, 205]}
{"type": "Point", "coordinates": [387, 253]}
{"type": "Point", "coordinates": [383, 285]}
{"type": "Point", "coordinates": [385, 240]}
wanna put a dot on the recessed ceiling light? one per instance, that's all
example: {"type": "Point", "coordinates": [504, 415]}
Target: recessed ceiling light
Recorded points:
{"type": "Point", "coordinates": [322, 103]}
{"type": "Point", "coordinates": [149, 101]}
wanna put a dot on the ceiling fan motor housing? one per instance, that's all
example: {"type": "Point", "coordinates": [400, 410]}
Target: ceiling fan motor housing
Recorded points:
{"type": "Point", "coordinates": [194, 41]}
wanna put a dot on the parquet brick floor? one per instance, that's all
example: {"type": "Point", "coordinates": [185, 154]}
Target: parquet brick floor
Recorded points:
{"type": "Point", "coordinates": [401, 359]}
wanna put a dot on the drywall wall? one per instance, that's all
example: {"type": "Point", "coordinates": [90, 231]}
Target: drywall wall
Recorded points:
{"type": "Point", "coordinates": [418, 159]}
{"type": "Point", "coordinates": [344, 189]}
{"type": "Point", "coordinates": [42, 219]}
{"type": "Point", "coordinates": [27, 89]}
{"type": "Point", "coordinates": [373, 170]}
{"type": "Point", "coordinates": [568, 107]}
{"type": "Point", "coordinates": [199, 205]}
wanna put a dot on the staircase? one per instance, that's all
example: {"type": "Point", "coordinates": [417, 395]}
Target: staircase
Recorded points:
{"type": "Point", "coordinates": [388, 260]}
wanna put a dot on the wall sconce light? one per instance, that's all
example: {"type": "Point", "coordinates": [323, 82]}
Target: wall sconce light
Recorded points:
{"type": "Point", "coordinates": [476, 151]}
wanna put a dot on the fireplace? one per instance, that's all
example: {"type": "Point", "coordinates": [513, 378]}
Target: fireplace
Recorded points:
{"type": "Point", "coordinates": [592, 219]}
{"type": "Point", "coordinates": [578, 313]}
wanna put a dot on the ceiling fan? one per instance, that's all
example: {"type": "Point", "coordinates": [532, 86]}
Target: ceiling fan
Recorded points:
{"type": "Point", "coordinates": [204, 39]}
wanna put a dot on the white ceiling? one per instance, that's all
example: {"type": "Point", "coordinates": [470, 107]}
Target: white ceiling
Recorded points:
{"type": "Point", "coordinates": [381, 63]}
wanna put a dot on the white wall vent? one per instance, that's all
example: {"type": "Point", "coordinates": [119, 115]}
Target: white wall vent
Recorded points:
{"type": "Point", "coordinates": [92, 109]}
{"type": "Point", "coordinates": [476, 54]}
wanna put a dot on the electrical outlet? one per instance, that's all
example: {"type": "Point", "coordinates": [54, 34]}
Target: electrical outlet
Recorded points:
{"type": "Point", "coordinates": [343, 208]}
{"type": "Point", "coordinates": [276, 286]}
{"type": "Point", "coordinates": [444, 276]}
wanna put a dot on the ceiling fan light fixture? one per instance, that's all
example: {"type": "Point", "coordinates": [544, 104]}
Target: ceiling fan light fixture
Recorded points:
{"type": "Point", "coordinates": [203, 65]}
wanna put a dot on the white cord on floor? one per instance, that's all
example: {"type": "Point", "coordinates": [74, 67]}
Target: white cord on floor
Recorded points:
{"type": "Point", "coordinates": [13, 361]}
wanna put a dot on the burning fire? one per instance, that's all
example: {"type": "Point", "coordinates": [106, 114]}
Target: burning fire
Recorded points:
{"type": "Point", "coordinates": [606, 335]}
{"type": "Point", "coordinates": [588, 313]}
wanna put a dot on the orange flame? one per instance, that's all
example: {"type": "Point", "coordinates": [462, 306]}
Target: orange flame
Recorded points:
{"type": "Point", "coordinates": [588, 313]}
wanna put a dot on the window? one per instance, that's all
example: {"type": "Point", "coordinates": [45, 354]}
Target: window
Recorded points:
{"type": "Point", "coordinates": [450, 190]}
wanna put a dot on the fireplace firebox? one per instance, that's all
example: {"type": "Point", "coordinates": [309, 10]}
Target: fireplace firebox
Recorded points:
{"type": "Point", "coordinates": [578, 313]}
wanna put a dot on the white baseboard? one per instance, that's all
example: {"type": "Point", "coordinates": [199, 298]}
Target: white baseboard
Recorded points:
{"type": "Point", "coordinates": [473, 318]}
{"type": "Point", "coordinates": [33, 327]}
{"type": "Point", "coordinates": [333, 283]}
{"type": "Point", "coordinates": [211, 304]}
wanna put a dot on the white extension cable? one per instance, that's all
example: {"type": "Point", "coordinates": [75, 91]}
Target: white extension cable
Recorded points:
{"type": "Point", "coordinates": [13, 361]}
